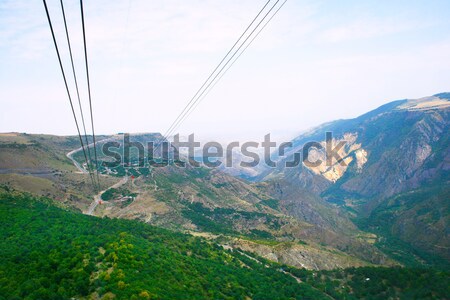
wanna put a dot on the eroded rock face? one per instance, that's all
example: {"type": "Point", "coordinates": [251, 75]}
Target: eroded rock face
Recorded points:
{"type": "Point", "coordinates": [361, 159]}
{"type": "Point", "coordinates": [335, 169]}
{"type": "Point", "coordinates": [396, 147]}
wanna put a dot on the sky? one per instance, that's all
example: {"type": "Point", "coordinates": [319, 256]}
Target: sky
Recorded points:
{"type": "Point", "coordinates": [316, 61]}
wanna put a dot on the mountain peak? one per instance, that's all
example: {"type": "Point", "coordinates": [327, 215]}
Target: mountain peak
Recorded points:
{"type": "Point", "coordinates": [445, 95]}
{"type": "Point", "coordinates": [438, 101]}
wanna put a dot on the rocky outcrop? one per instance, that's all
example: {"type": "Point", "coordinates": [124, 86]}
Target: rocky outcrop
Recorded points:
{"type": "Point", "coordinates": [302, 255]}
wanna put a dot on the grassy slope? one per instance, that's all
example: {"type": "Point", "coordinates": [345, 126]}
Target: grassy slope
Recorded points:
{"type": "Point", "coordinates": [36, 152]}
{"type": "Point", "coordinates": [38, 164]}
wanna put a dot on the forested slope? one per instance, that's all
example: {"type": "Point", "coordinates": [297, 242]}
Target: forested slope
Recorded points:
{"type": "Point", "coordinates": [51, 253]}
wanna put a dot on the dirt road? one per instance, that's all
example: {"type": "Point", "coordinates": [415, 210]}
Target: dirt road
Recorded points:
{"type": "Point", "coordinates": [97, 197]}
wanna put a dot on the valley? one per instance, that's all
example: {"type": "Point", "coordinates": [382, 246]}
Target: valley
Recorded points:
{"type": "Point", "coordinates": [384, 208]}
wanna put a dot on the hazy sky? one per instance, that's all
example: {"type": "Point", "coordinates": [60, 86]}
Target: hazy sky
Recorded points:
{"type": "Point", "coordinates": [316, 61]}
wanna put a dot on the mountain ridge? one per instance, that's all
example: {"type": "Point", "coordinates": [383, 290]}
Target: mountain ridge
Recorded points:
{"type": "Point", "coordinates": [399, 147]}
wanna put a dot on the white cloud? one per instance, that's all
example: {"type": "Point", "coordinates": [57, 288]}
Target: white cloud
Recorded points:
{"type": "Point", "coordinates": [368, 28]}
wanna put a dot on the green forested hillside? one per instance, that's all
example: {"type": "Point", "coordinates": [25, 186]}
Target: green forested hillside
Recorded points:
{"type": "Point", "coordinates": [379, 283]}
{"type": "Point", "coordinates": [52, 253]}
{"type": "Point", "coordinates": [412, 226]}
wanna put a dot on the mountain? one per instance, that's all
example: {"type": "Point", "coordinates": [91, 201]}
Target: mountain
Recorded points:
{"type": "Point", "coordinates": [394, 173]}
{"type": "Point", "coordinates": [196, 200]}
{"type": "Point", "coordinates": [384, 203]}
{"type": "Point", "coordinates": [38, 164]}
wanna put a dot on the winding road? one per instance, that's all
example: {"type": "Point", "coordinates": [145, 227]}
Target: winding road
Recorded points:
{"type": "Point", "coordinates": [81, 169]}
{"type": "Point", "coordinates": [98, 198]}
{"type": "Point", "coordinates": [77, 164]}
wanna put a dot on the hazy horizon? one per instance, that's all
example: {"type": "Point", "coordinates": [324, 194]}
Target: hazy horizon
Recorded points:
{"type": "Point", "coordinates": [278, 136]}
{"type": "Point", "coordinates": [315, 62]}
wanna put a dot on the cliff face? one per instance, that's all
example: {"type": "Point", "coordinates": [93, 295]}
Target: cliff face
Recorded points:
{"type": "Point", "coordinates": [406, 155]}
